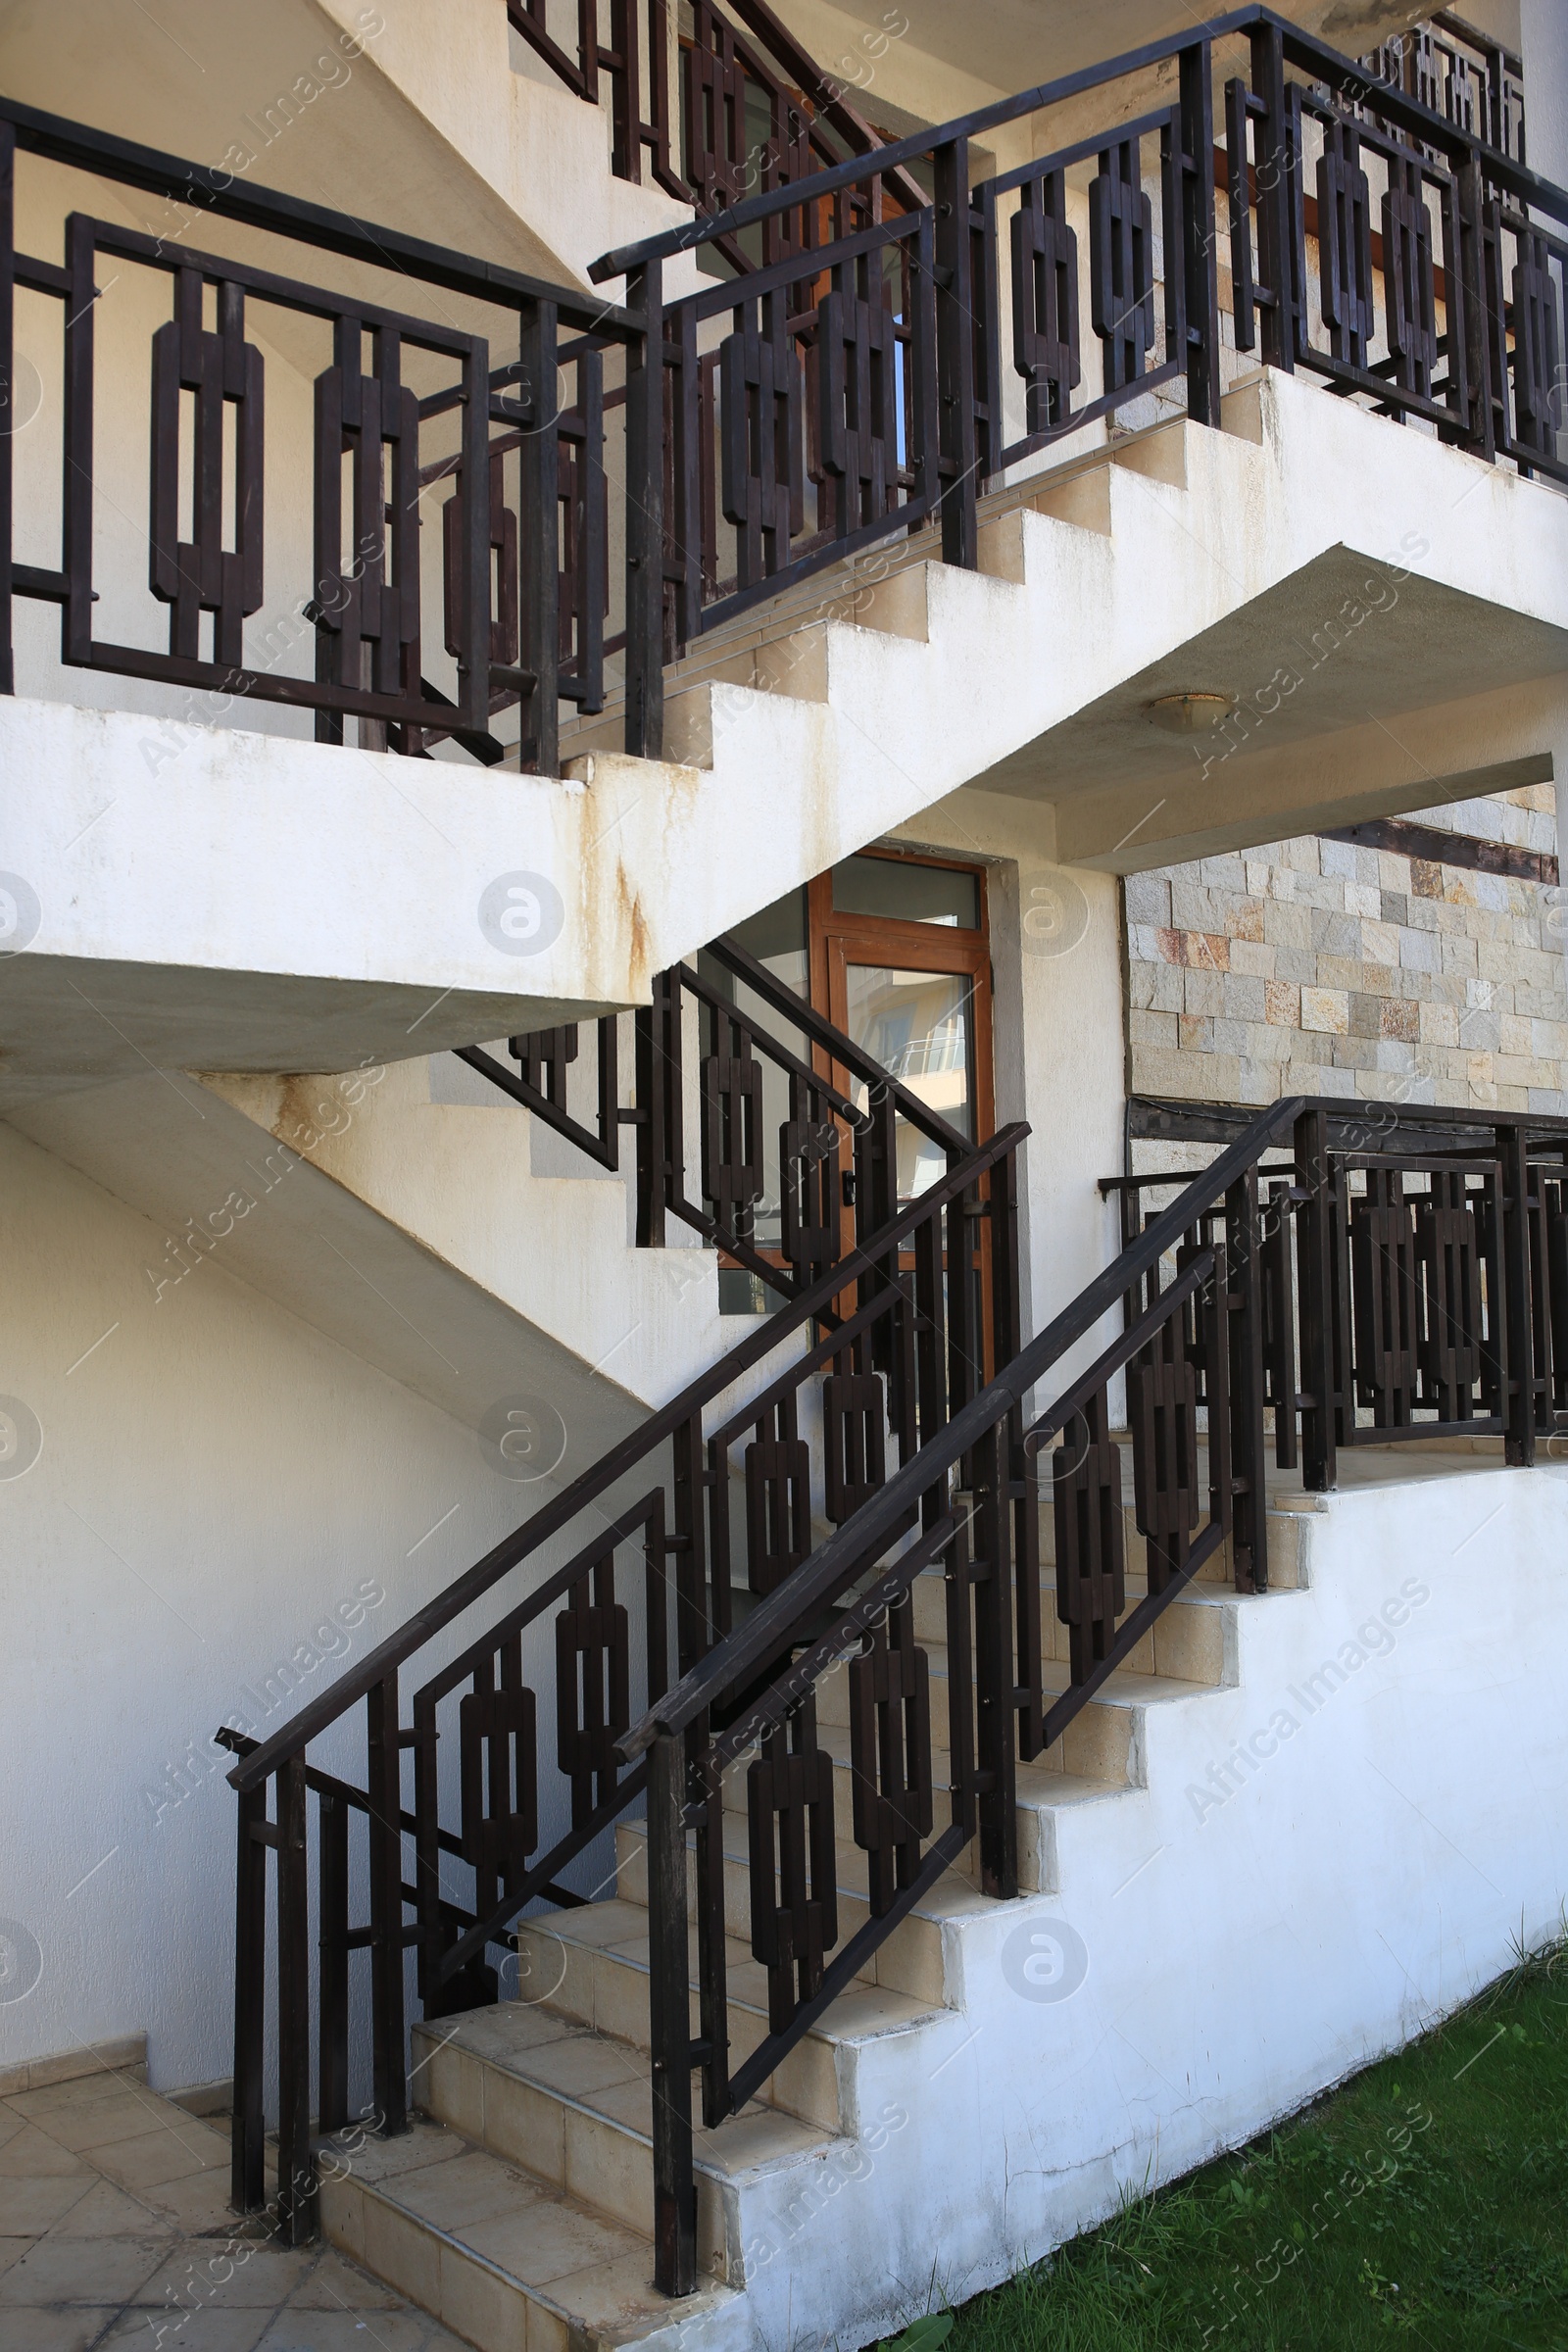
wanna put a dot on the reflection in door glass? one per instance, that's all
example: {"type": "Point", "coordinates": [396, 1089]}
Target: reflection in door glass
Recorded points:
{"type": "Point", "coordinates": [919, 1026]}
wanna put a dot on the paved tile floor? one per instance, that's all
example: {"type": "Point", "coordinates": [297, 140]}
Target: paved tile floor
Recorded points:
{"type": "Point", "coordinates": [114, 2229]}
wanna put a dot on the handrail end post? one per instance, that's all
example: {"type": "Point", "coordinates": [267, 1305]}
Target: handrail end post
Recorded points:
{"type": "Point", "coordinates": [670, 2021]}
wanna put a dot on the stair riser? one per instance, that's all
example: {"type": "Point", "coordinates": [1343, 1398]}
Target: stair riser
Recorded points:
{"type": "Point", "coordinates": [1187, 1642]}
{"type": "Point", "coordinates": [493, 2312]}
{"type": "Point", "coordinates": [566, 2145]}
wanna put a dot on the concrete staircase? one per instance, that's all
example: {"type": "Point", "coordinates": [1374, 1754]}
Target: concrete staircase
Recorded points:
{"type": "Point", "coordinates": [519, 2208]}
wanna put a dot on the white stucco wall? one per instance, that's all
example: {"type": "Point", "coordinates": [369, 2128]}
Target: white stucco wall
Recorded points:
{"type": "Point", "coordinates": [216, 1481]}
{"type": "Point", "coordinates": [1322, 1859]}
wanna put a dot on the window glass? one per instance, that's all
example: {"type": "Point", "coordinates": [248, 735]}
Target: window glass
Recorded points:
{"type": "Point", "coordinates": [919, 1026]}
{"type": "Point", "coordinates": [905, 893]}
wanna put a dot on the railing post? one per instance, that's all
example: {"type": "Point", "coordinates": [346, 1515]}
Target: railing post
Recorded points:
{"type": "Point", "coordinates": [332, 1937]}
{"type": "Point", "coordinates": [645, 520]}
{"type": "Point", "coordinates": [475, 626]}
{"type": "Point", "coordinates": [1277, 166]}
{"type": "Point", "coordinates": [248, 2129]}
{"type": "Point", "coordinates": [539, 589]}
{"type": "Point", "coordinates": [625, 95]}
{"type": "Point", "coordinates": [1315, 1279]}
{"type": "Point", "coordinates": [384, 1786]}
{"type": "Point", "coordinates": [1243, 1260]}
{"type": "Point", "coordinates": [295, 2167]}
{"type": "Point", "coordinates": [1519, 1365]}
{"type": "Point", "coordinates": [1200, 229]}
{"type": "Point", "coordinates": [955, 433]}
{"type": "Point", "coordinates": [670, 2021]}
{"type": "Point", "coordinates": [994, 1679]}
{"type": "Point", "coordinates": [661, 1110]}
{"type": "Point", "coordinates": [1474, 290]}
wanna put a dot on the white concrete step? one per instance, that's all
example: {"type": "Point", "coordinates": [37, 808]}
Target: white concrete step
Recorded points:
{"type": "Point", "coordinates": [505, 2259]}
{"type": "Point", "coordinates": [590, 1967]}
{"type": "Point", "coordinates": [573, 2109]}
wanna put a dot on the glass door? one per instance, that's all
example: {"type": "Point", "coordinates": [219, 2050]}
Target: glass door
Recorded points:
{"type": "Point", "coordinates": [901, 962]}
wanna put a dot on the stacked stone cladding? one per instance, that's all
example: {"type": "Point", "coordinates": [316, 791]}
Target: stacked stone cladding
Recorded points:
{"type": "Point", "coordinates": [1315, 967]}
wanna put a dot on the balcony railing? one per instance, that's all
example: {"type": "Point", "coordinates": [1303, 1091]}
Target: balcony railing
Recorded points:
{"type": "Point", "coordinates": [721, 102]}
{"type": "Point", "coordinates": [888, 364]}
{"type": "Point", "coordinates": [1475, 81]}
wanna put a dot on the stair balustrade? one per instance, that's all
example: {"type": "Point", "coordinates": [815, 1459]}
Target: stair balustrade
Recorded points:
{"type": "Point", "coordinates": [1401, 1293]}
{"type": "Point", "coordinates": [888, 357]}
{"type": "Point", "coordinates": [717, 113]}
{"type": "Point", "coordinates": [815, 1205]}
{"type": "Point", "coordinates": [1367, 1273]}
{"type": "Point", "coordinates": [876, 382]}
{"type": "Point", "coordinates": [1460, 72]}
{"type": "Point", "coordinates": [1424, 1297]}
{"type": "Point", "coordinates": [890, 1322]}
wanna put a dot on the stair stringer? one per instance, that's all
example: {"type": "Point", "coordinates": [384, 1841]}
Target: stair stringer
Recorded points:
{"type": "Point", "coordinates": [1363, 1877]}
{"type": "Point", "coordinates": [878, 725]}
{"type": "Point", "coordinates": [557, 1252]}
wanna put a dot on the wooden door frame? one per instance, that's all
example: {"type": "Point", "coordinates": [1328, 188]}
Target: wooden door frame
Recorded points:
{"type": "Point", "coordinates": [835, 939]}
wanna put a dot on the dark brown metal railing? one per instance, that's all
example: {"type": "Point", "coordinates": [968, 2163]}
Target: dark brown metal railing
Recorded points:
{"type": "Point", "coordinates": [693, 100]}
{"type": "Point", "coordinates": [639, 1572]}
{"type": "Point", "coordinates": [866, 384]}
{"type": "Point", "coordinates": [1401, 1293]}
{"type": "Point", "coordinates": [347, 626]}
{"type": "Point", "coordinates": [1474, 79]}
{"type": "Point", "coordinates": [886, 358]}
{"type": "Point", "coordinates": [1363, 1274]}
{"type": "Point", "coordinates": [794, 1181]}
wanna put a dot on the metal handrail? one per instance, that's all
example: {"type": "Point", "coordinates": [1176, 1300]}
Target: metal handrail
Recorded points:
{"type": "Point", "coordinates": [769, 1625]}
{"type": "Point", "coordinates": [291, 1737]}
{"type": "Point", "coordinates": [156, 173]}
{"type": "Point", "coordinates": [1423, 121]}
{"type": "Point", "coordinates": [794, 1009]}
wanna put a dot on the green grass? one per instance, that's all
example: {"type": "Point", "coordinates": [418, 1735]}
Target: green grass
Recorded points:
{"type": "Point", "coordinates": [1424, 2203]}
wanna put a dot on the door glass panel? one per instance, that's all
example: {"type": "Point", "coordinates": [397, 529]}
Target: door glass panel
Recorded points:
{"type": "Point", "coordinates": [921, 1027]}
{"type": "Point", "coordinates": [898, 891]}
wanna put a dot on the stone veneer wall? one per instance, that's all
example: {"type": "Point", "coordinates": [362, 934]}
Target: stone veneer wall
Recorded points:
{"type": "Point", "coordinates": [1315, 967]}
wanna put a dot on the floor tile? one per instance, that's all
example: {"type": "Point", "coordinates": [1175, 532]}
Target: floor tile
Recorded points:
{"type": "Point", "coordinates": [31, 2206]}
{"type": "Point", "coordinates": [98, 2123]}
{"type": "Point", "coordinates": [107, 2212]}
{"type": "Point", "coordinates": [198, 2204]}
{"type": "Point", "coordinates": [104, 2085]}
{"type": "Point", "coordinates": [70, 2270]}
{"type": "Point", "coordinates": [33, 2152]}
{"type": "Point", "coordinates": [143, 2331]}
{"type": "Point", "coordinates": [29, 2330]}
{"type": "Point", "coordinates": [207, 2272]}
{"type": "Point", "coordinates": [161, 2155]}
{"type": "Point", "coordinates": [301, 2330]}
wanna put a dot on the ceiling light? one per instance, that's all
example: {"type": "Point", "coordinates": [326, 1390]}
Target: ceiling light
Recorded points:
{"type": "Point", "coordinates": [1189, 713]}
